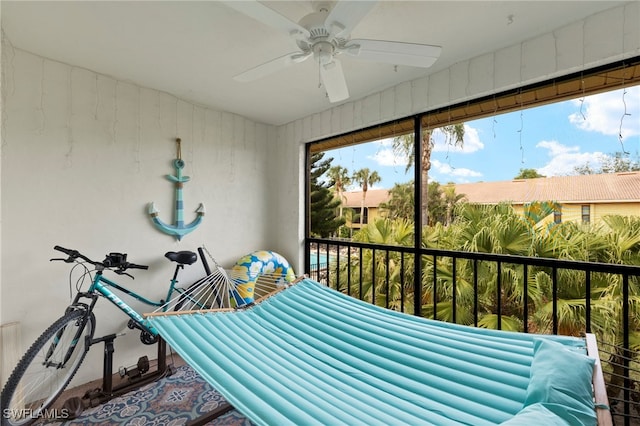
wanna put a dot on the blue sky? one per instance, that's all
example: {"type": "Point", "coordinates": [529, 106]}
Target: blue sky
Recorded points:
{"type": "Point", "coordinates": [552, 139]}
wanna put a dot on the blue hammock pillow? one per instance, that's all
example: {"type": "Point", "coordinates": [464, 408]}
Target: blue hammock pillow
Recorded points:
{"type": "Point", "coordinates": [561, 378]}
{"type": "Point", "coordinates": [535, 414]}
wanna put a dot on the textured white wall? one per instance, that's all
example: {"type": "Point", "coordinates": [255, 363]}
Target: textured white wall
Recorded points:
{"type": "Point", "coordinates": [82, 155]}
{"type": "Point", "coordinates": [603, 38]}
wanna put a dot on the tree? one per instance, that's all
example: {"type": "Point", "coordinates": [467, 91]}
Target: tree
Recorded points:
{"type": "Point", "coordinates": [365, 178]}
{"type": "Point", "coordinates": [436, 207]}
{"type": "Point", "coordinates": [617, 162]}
{"type": "Point", "coordinates": [340, 179]}
{"type": "Point", "coordinates": [441, 201]}
{"type": "Point", "coordinates": [584, 169]}
{"type": "Point", "coordinates": [495, 294]}
{"type": "Point", "coordinates": [401, 202]}
{"type": "Point", "coordinates": [529, 174]}
{"type": "Point", "coordinates": [450, 200]}
{"type": "Point", "coordinates": [398, 293]}
{"type": "Point", "coordinates": [403, 145]}
{"type": "Point", "coordinates": [323, 205]}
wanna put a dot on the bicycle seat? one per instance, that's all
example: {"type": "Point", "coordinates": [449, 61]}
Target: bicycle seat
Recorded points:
{"type": "Point", "coordinates": [182, 257]}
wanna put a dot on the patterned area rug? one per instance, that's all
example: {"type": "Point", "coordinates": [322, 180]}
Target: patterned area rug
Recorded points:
{"type": "Point", "coordinates": [172, 401]}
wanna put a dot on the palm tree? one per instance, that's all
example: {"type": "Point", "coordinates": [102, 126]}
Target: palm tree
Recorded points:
{"type": "Point", "coordinates": [499, 229]}
{"type": "Point", "coordinates": [401, 202]}
{"type": "Point", "coordinates": [403, 145]}
{"type": "Point", "coordinates": [365, 178]}
{"type": "Point", "coordinates": [450, 200]}
{"type": "Point", "coordinates": [436, 206]}
{"type": "Point", "coordinates": [623, 237]}
{"type": "Point", "coordinates": [340, 177]}
{"type": "Point", "coordinates": [488, 229]}
{"type": "Point", "coordinates": [376, 265]}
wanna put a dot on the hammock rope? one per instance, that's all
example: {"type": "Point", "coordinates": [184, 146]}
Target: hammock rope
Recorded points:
{"type": "Point", "coordinates": [254, 276]}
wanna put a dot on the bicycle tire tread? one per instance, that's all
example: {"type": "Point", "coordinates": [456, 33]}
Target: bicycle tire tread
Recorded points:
{"type": "Point", "coordinates": [26, 360]}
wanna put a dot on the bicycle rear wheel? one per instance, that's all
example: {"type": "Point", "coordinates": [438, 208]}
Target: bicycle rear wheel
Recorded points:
{"type": "Point", "coordinates": [46, 369]}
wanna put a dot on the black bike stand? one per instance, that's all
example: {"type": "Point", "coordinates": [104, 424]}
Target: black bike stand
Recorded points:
{"type": "Point", "coordinates": [135, 378]}
{"type": "Point", "coordinates": [130, 379]}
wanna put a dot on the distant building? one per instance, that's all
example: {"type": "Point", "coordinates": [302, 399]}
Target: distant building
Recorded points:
{"type": "Point", "coordinates": [582, 199]}
{"type": "Point", "coordinates": [353, 201]}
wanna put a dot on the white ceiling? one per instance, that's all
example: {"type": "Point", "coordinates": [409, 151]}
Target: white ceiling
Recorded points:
{"type": "Point", "coordinates": [192, 49]}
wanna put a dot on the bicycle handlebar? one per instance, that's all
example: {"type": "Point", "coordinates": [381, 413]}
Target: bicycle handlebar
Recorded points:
{"type": "Point", "coordinates": [112, 260]}
{"type": "Point", "coordinates": [134, 266]}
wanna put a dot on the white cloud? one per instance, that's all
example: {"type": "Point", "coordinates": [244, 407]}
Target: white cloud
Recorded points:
{"type": "Point", "coordinates": [564, 159]}
{"type": "Point", "coordinates": [471, 141]}
{"type": "Point", "coordinates": [386, 157]}
{"type": "Point", "coordinates": [603, 113]}
{"type": "Point", "coordinates": [457, 172]}
{"type": "Point", "coordinates": [556, 148]}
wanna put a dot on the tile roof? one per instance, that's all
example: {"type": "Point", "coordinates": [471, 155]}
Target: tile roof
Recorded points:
{"type": "Point", "coordinates": [611, 187]}
{"type": "Point", "coordinates": [373, 199]}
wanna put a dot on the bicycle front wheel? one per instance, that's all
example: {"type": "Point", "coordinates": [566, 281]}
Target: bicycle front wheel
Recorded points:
{"type": "Point", "coordinates": [46, 369]}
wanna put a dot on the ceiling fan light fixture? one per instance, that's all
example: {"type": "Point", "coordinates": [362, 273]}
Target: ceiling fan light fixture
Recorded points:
{"type": "Point", "coordinates": [323, 52]}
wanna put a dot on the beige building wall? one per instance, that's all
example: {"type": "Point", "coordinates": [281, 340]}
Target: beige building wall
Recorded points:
{"type": "Point", "coordinates": [572, 212]}
{"type": "Point", "coordinates": [373, 214]}
{"type": "Point", "coordinates": [598, 211]}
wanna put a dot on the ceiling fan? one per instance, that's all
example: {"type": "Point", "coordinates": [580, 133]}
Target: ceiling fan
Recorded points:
{"type": "Point", "coordinates": [325, 34]}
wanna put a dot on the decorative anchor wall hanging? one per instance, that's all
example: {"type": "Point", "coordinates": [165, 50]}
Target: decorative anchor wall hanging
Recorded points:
{"type": "Point", "coordinates": [179, 229]}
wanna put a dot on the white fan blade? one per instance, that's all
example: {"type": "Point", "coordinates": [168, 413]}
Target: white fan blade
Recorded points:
{"type": "Point", "coordinates": [394, 52]}
{"type": "Point", "coordinates": [345, 15]}
{"type": "Point", "coordinates": [333, 81]}
{"type": "Point", "coordinates": [262, 13]}
{"type": "Point", "coordinates": [271, 66]}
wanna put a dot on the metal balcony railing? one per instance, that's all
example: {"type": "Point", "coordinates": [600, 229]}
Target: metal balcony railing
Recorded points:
{"type": "Point", "coordinates": [477, 289]}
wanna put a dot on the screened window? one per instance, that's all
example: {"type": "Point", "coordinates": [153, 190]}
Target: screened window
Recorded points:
{"type": "Point", "coordinates": [586, 214]}
{"type": "Point", "coordinates": [427, 184]}
{"type": "Point", "coordinates": [557, 216]}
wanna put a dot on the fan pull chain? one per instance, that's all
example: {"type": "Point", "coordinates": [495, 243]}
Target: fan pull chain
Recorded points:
{"type": "Point", "coordinates": [178, 148]}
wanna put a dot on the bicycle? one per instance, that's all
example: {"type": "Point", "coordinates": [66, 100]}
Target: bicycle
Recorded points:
{"type": "Point", "coordinates": [53, 359]}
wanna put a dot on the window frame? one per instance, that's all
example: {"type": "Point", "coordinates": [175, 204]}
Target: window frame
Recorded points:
{"type": "Point", "coordinates": [585, 213]}
{"type": "Point", "coordinates": [557, 216]}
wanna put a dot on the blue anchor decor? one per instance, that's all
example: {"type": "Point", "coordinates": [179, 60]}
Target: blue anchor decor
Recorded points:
{"type": "Point", "coordinates": [179, 229]}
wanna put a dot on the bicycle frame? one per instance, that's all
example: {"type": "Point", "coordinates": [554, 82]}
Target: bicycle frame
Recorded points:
{"type": "Point", "coordinates": [101, 285]}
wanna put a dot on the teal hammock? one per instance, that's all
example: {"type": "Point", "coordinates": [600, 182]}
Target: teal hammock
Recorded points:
{"type": "Point", "coordinates": [309, 355]}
